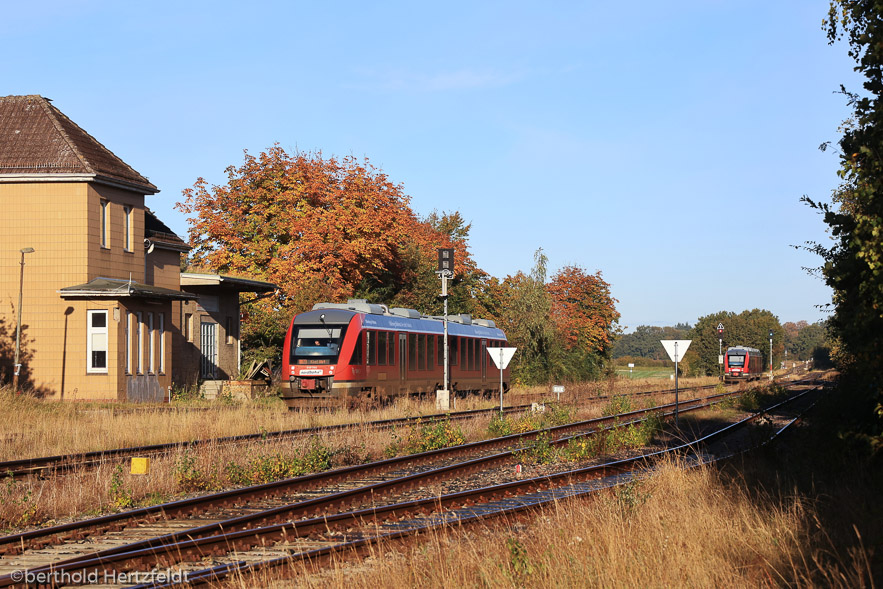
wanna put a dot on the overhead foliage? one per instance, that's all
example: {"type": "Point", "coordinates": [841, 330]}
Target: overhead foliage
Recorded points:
{"type": "Point", "coordinates": [853, 265]}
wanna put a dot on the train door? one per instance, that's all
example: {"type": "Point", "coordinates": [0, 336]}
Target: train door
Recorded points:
{"type": "Point", "coordinates": [403, 358]}
{"type": "Point", "coordinates": [483, 362]}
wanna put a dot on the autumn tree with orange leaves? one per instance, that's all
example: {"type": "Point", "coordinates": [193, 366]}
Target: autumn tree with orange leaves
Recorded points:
{"type": "Point", "coordinates": [583, 310]}
{"type": "Point", "coordinates": [323, 229]}
{"type": "Point", "coordinates": [315, 227]}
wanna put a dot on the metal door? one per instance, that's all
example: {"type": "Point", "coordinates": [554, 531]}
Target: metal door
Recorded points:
{"type": "Point", "coordinates": [403, 357]}
{"type": "Point", "coordinates": [208, 340]}
{"type": "Point", "coordinates": [483, 361]}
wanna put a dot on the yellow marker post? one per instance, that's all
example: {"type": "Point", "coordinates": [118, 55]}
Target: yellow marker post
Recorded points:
{"type": "Point", "coordinates": [140, 466]}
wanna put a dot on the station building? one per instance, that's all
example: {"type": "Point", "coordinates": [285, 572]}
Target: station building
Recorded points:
{"type": "Point", "coordinates": [106, 311]}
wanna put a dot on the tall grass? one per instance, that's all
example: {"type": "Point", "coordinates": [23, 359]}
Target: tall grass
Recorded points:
{"type": "Point", "coordinates": [677, 529]}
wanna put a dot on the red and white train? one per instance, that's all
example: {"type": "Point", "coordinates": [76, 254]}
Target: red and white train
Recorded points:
{"type": "Point", "coordinates": [361, 354]}
{"type": "Point", "coordinates": [742, 363]}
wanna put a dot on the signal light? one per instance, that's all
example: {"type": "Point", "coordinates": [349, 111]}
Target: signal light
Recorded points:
{"type": "Point", "coordinates": [446, 259]}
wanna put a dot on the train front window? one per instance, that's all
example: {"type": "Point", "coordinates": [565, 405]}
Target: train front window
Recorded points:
{"type": "Point", "coordinates": [310, 343]}
{"type": "Point", "coordinates": [735, 361]}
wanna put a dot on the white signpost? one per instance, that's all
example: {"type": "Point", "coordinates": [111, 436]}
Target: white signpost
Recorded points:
{"type": "Point", "coordinates": [501, 358]}
{"type": "Point", "coordinates": [676, 349]}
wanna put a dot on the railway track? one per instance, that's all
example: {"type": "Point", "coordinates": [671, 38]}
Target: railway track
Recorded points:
{"type": "Point", "coordinates": [47, 465]}
{"type": "Point", "coordinates": [169, 537]}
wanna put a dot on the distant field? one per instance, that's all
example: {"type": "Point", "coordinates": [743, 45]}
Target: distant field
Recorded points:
{"type": "Point", "coordinates": [645, 371]}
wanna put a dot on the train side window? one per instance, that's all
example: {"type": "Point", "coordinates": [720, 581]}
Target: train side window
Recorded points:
{"type": "Point", "coordinates": [371, 347]}
{"type": "Point", "coordinates": [470, 354]}
{"type": "Point", "coordinates": [412, 351]}
{"type": "Point", "coordinates": [392, 348]}
{"type": "Point", "coordinates": [454, 343]}
{"type": "Point", "coordinates": [381, 348]}
{"type": "Point", "coordinates": [464, 353]}
{"type": "Point", "coordinates": [421, 351]}
{"type": "Point", "coordinates": [440, 346]}
{"type": "Point", "coordinates": [356, 358]}
{"type": "Point", "coordinates": [430, 351]}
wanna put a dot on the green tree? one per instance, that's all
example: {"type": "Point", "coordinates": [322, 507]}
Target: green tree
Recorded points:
{"type": "Point", "coordinates": [748, 328]}
{"type": "Point", "coordinates": [527, 323]}
{"type": "Point", "coordinates": [644, 341]}
{"type": "Point", "coordinates": [853, 265]}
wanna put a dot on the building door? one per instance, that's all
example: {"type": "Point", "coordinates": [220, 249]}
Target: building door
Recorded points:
{"type": "Point", "coordinates": [208, 340]}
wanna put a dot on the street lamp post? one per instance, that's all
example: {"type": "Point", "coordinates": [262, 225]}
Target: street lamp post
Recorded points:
{"type": "Point", "coordinates": [21, 282]}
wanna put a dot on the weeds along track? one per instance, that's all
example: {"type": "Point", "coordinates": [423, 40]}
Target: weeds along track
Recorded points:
{"type": "Point", "coordinates": [45, 466]}
{"type": "Point", "coordinates": [191, 529]}
{"type": "Point", "coordinates": [68, 462]}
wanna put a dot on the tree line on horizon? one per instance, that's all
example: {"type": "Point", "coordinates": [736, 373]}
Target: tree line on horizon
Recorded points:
{"type": "Point", "coordinates": [327, 229]}
{"type": "Point", "coordinates": [801, 340]}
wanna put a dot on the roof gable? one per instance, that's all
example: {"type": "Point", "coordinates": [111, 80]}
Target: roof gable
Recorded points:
{"type": "Point", "coordinates": [38, 140]}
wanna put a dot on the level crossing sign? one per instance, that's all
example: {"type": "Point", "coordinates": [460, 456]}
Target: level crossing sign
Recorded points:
{"type": "Point", "coordinates": [501, 356]}
{"type": "Point", "coordinates": [676, 348]}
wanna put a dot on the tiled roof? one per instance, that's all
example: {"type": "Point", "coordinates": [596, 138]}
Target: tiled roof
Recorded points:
{"type": "Point", "coordinates": [38, 140]}
{"type": "Point", "coordinates": [162, 235]}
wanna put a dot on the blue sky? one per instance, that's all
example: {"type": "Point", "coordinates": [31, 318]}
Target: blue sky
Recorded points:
{"type": "Point", "coordinates": [665, 144]}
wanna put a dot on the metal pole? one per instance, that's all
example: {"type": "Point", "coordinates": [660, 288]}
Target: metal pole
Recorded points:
{"type": "Point", "coordinates": [677, 425]}
{"type": "Point", "coordinates": [720, 351]}
{"type": "Point", "coordinates": [501, 382]}
{"type": "Point", "coordinates": [21, 282]}
{"type": "Point", "coordinates": [445, 299]}
{"type": "Point", "coordinates": [771, 358]}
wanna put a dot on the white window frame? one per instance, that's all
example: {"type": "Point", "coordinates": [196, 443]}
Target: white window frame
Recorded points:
{"type": "Point", "coordinates": [151, 345]}
{"type": "Point", "coordinates": [162, 343]}
{"type": "Point", "coordinates": [91, 332]}
{"type": "Point", "coordinates": [139, 344]}
{"type": "Point", "coordinates": [129, 317]}
{"type": "Point", "coordinates": [128, 228]}
{"type": "Point", "coordinates": [105, 224]}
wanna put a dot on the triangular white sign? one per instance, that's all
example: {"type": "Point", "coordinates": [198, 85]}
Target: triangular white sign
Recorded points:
{"type": "Point", "coordinates": [676, 348]}
{"type": "Point", "coordinates": [501, 356]}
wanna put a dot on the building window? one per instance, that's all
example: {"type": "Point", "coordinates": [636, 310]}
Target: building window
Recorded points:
{"type": "Point", "coordinates": [162, 343]}
{"type": "Point", "coordinates": [105, 228]}
{"type": "Point", "coordinates": [97, 341]}
{"type": "Point", "coordinates": [138, 343]}
{"type": "Point", "coordinates": [129, 318]}
{"type": "Point", "coordinates": [229, 328]}
{"type": "Point", "coordinates": [151, 345]}
{"type": "Point", "coordinates": [128, 228]}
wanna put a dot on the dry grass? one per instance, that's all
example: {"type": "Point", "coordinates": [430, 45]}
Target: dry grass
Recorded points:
{"type": "Point", "coordinates": [32, 428]}
{"type": "Point", "coordinates": [677, 529]}
{"type": "Point", "coordinates": [111, 487]}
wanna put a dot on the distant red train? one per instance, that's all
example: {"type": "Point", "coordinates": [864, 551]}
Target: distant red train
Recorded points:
{"type": "Point", "coordinates": [741, 363]}
{"type": "Point", "coordinates": [362, 354]}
